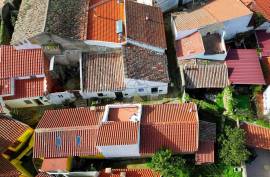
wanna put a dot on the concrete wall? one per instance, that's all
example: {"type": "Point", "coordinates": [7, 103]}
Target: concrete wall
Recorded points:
{"type": "Point", "coordinates": [120, 151]}
{"type": "Point", "coordinates": [20, 103]}
{"type": "Point", "coordinates": [266, 101]}
{"type": "Point", "coordinates": [60, 97]}
{"type": "Point", "coordinates": [133, 88]}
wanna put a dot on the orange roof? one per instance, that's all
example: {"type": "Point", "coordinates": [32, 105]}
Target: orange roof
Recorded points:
{"type": "Point", "coordinates": [102, 17]}
{"type": "Point", "coordinates": [257, 136]}
{"type": "Point", "coordinates": [7, 169]}
{"type": "Point", "coordinates": [130, 173]}
{"type": "Point", "coordinates": [10, 131]}
{"type": "Point", "coordinates": [190, 45]}
{"type": "Point", "coordinates": [215, 11]}
{"type": "Point", "coordinates": [54, 164]}
{"type": "Point", "coordinates": [118, 133]}
{"type": "Point", "coordinates": [206, 153]}
{"type": "Point", "coordinates": [121, 114]}
{"type": "Point", "coordinates": [262, 6]}
{"type": "Point", "coordinates": [28, 88]}
{"type": "Point", "coordinates": [266, 69]}
{"type": "Point", "coordinates": [173, 126]}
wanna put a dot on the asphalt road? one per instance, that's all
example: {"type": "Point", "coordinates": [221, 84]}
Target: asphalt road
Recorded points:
{"type": "Point", "coordinates": [260, 167]}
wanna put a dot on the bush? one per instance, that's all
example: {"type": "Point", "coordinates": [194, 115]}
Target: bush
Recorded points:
{"type": "Point", "coordinates": [167, 165]}
{"type": "Point", "coordinates": [228, 100]}
{"type": "Point", "coordinates": [233, 150]}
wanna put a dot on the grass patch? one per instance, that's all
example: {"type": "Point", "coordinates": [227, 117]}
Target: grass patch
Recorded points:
{"type": "Point", "coordinates": [138, 166]}
{"type": "Point", "coordinates": [215, 170]}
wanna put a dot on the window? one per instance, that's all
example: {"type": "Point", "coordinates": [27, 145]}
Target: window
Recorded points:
{"type": "Point", "coordinates": [141, 89]}
{"type": "Point", "coordinates": [27, 101]}
{"type": "Point", "coordinates": [154, 90]}
{"type": "Point", "coordinates": [60, 96]}
{"type": "Point", "coordinates": [100, 94]}
{"type": "Point", "coordinates": [58, 141]}
{"type": "Point", "coordinates": [78, 140]}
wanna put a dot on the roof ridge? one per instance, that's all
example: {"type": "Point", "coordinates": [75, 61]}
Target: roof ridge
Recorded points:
{"type": "Point", "coordinates": [65, 129]}
{"type": "Point", "coordinates": [169, 123]}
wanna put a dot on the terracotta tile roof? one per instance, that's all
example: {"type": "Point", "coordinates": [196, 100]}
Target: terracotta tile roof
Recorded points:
{"type": "Point", "coordinates": [20, 63]}
{"type": "Point", "coordinates": [54, 164]}
{"type": "Point", "coordinates": [171, 126]}
{"type": "Point", "coordinates": [257, 136]}
{"type": "Point", "coordinates": [206, 153]}
{"type": "Point", "coordinates": [145, 64]}
{"type": "Point", "coordinates": [144, 23]}
{"type": "Point", "coordinates": [10, 131]}
{"type": "Point", "coordinates": [27, 26]}
{"type": "Point", "coordinates": [7, 169]}
{"type": "Point", "coordinates": [63, 142]}
{"type": "Point", "coordinates": [42, 174]}
{"type": "Point", "coordinates": [129, 173]}
{"type": "Point", "coordinates": [5, 86]}
{"type": "Point", "coordinates": [102, 17]}
{"type": "Point", "coordinates": [73, 117]}
{"type": "Point", "coordinates": [65, 127]}
{"type": "Point", "coordinates": [262, 6]}
{"type": "Point", "coordinates": [169, 113]}
{"type": "Point", "coordinates": [190, 45]}
{"type": "Point", "coordinates": [118, 133]}
{"type": "Point", "coordinates": [103, 72]}
{"type": "Point", "coordinates": [264, 42]}
{"type": "Point", "coordinates": [244, 67]}
{"type": "Point", "coordinates": [212, 12]}
{"type": "Point", "coordinates": [28, 88]}
{"type": "Point", "coordinates": [204, 74]}
{"type": "Point", "coordinates": [266, 69]}
{"type": "Point", "coordinates": [67, 18]}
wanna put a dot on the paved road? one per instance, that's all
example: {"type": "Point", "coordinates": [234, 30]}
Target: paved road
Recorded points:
{"type": "Point", "coordinates": [260, 167]}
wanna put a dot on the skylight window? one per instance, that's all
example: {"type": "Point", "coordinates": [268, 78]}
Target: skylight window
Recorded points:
{"type": "Point", "coordinates": [58, 141]}
{"type": "Point", "coordinates": [78, 140]}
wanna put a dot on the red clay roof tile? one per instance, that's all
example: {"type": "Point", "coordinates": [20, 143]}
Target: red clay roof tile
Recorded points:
{"type": "Point", "coordinates": [130, 173]}
{"type": "Point", "coordinates": [10, 131]}
{"type": "Point", "coordinates": [244, 67]}
{"type": "Point", "coordinates": [54, 164]}
{"type": "Point", "coordinates": [257, 136]}
{"type": "Point", "coordinates": [206, 153]}
{"type": "Point", "coordinates": [266, 69]}
{"type": "Point", "coordinates": [262, 6]}
{"type": "Point", "coordinates": [28, 88]}
{"type": "Point", "coordinates": [145, 24]}
{"type": "Point", "coordinates": [118, 133]}
{"type": "Point", "coordinates": [5, 86]}
{"type": "Point", "coordinates": [20, 63]}
{"type": "Point", "coordinates": [102, 17]}
{"type": "Point", "coordinates": [7, 169]}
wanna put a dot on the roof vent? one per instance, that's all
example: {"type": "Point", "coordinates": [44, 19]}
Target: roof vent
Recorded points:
{"type": "Point", "coordinates": [146, 18]}
{"type": "Point", "coordinates": [123, 174]}
{"type": "Point", "coordinates": [134, 118]}
{"type": "Point", "coordinates": [108, 170]}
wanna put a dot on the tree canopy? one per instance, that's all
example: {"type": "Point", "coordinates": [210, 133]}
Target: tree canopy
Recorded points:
{"type": "Point", "coordinates": [167, 165]}
{"type": "Point", "coordinates": [233, 150]}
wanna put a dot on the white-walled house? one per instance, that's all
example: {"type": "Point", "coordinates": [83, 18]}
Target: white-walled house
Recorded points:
{"type": "Point", "coordinates": [266, 102]}
{"type": "Point", "coordinates": [235, 18]}
{"type": "Point", "coordinates": [25, 80]}
{"type": "Point", "coordinates": [125, 72]}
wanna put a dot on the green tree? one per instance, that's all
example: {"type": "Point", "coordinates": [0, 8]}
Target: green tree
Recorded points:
{"type": "Point", "coordinates": [167, 165]}
{"type": "Point", "coordinates": [233, 150]}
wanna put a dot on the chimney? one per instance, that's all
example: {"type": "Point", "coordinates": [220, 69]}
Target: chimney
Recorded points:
{"type": "Point", "coordinates": [108, 170]}
{"type": "Point", "coordinates": [122, 174]}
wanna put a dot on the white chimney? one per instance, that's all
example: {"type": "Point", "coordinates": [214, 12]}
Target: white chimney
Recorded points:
{"type": "Point", "coordinates": [122, 174]}
{"type": "Point", "coordinates": [108, 170]}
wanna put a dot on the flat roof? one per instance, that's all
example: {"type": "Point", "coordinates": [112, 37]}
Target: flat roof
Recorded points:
{"type": "Point", "coordinates": [122, 114]}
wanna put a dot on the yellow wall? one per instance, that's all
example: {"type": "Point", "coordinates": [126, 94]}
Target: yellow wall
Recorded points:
{"type": "Point", "coordinates": [23, 139]}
